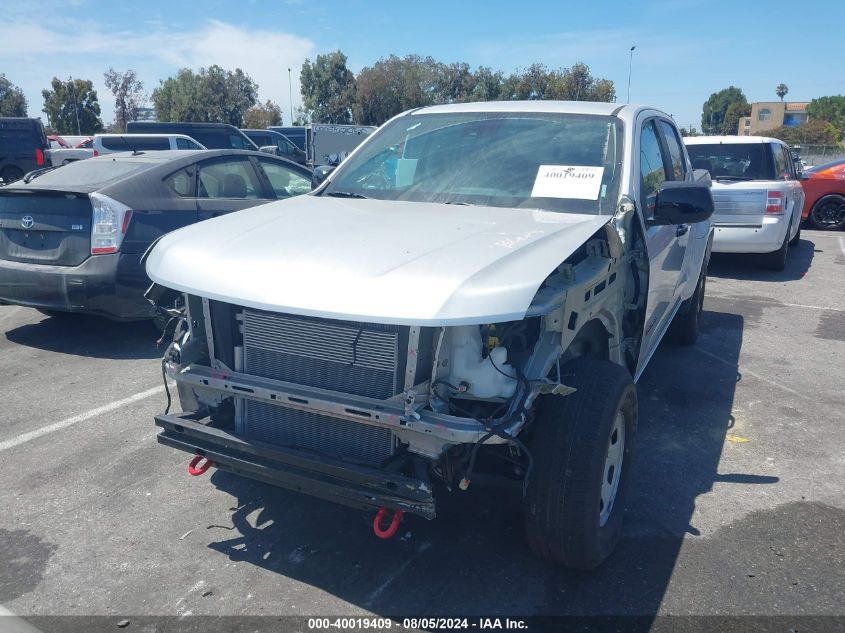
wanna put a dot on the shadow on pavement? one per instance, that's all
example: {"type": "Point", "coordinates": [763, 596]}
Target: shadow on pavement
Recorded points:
{"type": "Point", "coordinates": [748, 267]}
{"type": "Point", "coordinates": [472, 560]}
{"type": "Point", "coordinates": [92, 336]}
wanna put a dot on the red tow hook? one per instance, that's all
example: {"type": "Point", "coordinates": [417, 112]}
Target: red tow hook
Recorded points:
{"type": "Point", "coordinates": [391, 529]}
{"type": "Point", "coordinates": [196, 470]}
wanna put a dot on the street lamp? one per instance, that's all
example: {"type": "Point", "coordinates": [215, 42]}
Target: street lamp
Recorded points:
{"type": "Point", "coordinates": [630, 65]}
{"type": "Point", "coordinates": [290, 97]}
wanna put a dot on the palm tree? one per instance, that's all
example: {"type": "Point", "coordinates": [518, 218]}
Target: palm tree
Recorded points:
{"type": "Point", "coordinates": [781, 90]}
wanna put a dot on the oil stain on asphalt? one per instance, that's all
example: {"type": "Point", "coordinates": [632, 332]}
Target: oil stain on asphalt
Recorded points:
{"type": "Point", "coordinates": [831, 326]}
{"type": "Point", "coordinates": [24, 559]}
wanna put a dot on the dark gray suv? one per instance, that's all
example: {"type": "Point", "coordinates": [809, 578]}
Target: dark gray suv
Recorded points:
{"type": "Point", "coordinates": [23, 147]}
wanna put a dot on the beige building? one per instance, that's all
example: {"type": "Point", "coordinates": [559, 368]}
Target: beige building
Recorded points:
{"type": "Point", "coordinates": [768, 115]}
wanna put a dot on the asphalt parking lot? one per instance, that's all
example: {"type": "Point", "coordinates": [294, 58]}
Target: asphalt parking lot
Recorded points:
{"type": "Point", "coordinates": [738, 503]}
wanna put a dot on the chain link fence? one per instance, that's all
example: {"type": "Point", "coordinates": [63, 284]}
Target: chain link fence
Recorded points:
{"type": "Point", "coordinates": [818, 154]}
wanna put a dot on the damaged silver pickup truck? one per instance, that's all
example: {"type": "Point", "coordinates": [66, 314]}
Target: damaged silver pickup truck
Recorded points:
{"type": "Point", "coordinates": [476, 288]}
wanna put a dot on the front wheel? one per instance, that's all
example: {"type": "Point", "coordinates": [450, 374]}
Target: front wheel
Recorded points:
{"type": "Point", "coordinates": [828, 213]}
{"type": "Point", "coordinates": [582, 448]}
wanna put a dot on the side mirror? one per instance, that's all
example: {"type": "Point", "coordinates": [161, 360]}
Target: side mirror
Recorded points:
{"type": "Point", "coordinates": [319, 175]}
{"type": "Point", "coordinates": [682, 203]}
{"type": "Point", "coordinates": [269, 149]}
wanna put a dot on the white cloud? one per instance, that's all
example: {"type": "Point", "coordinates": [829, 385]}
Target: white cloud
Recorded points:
{"type": "Point", "coordinates": [86, 50]}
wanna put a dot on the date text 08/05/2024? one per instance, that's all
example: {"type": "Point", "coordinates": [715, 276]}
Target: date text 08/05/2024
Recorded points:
{"type": "Point", "coordinates": [384, 624]}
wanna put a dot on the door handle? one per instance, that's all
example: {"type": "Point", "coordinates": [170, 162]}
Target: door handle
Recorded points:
{"type": "Point", "coordinates": [682, 230]}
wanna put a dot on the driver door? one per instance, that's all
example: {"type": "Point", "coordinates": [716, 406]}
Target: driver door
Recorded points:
{"type": "Point", "coordinates": [666, 244]}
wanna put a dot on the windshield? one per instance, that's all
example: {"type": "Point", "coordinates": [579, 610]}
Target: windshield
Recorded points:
{"type": "Point", "coordinates": [557, 162]}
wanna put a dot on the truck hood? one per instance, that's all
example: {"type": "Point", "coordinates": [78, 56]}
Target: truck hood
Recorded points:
{"type": "Point", "coordinates": [373, 260]}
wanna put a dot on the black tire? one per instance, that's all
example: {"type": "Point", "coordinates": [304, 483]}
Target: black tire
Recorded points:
{"type": "Point", "coordinates": [686, 324]}
{"type": "Point", "coordinates": [776, 260]}
{"type": "Point", "coordinates": [828, 214]}
{"type": "Point", "coordinates": [794, 241]}
{"type": "Point", "coordinates": [11, 174]}
{"type": "Point", "coordinates": [570, 442]}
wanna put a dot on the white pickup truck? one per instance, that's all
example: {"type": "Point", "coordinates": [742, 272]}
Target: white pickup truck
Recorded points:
{"type": "Point", "coordinates": [757, 192]}
{"type": "Point", "coordinates": [477, 287]}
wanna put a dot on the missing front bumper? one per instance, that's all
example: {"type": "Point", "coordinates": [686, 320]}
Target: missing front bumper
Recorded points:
{"type": "Point", "coordinates": [317, 476]}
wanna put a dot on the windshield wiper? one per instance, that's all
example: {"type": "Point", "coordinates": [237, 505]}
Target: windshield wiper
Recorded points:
{"type": "Point", "coordinates": [38, 172]}
{"type": "Point", "coordinates": [345, 194]}
{"type": "Point", "coordinates": [732, 178]}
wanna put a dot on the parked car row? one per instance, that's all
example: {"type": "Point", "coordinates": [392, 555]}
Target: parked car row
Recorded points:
{"type": "Point", "coordinates": [313, 144]}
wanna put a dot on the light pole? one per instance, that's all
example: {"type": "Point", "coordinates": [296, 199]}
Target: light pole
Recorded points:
{"type": "Point", "coordinates": [630, 65]}
{"type": "Point", "coordinates": [290, 97]}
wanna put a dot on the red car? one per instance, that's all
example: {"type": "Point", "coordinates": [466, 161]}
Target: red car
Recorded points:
{"type": "Point", "coordinates": [824, 195]}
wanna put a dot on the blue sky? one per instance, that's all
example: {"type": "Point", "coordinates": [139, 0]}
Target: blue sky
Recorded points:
{"type": "Point", "coordinates": [685, 49]}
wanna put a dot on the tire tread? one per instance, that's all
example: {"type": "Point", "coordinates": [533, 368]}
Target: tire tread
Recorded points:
{"type": "Point", "coordinates": [558, 511]}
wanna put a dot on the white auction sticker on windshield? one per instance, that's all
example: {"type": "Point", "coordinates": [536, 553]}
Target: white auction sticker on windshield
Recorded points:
{"type": "Point", "coordinates": [568, 181]}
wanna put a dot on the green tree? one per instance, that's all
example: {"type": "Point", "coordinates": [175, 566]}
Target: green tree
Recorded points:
{"type": "Point", "coordinates": [487, 85]}
{"type": "Point", "coordinates": [735, 112]}
{"type": "Point", "coordinates": [263, 115]}
{"type": "Point", "coordinates": [575, 83]}
{"type": "Point", "coordinates": [12, 99]}
{"type": "Point", "coordinates": [300, 116]}
{"type": "Point", "coordinates": [71, 107]}
{"type": "Point", "coordinates": [328, 89]}
{"type": "Point", "coordinates": [453, 83]}
{"type": "Point", "coordinates": [716, 107]}
{"type": "Point", "coordinates": [578, 84]}
{"type": "Point", "coordinates": [128, 93]}
{"type": "Point", "coordinates": [212, 95]}
{"type": "Point", "coordinates": [393, 85]}
{"type": "Point", "coordinates": [781, 90]}
{"type": "Point", "coordinates": [812, 132]}
{"type": "Point", "coordinates": [830, 109]}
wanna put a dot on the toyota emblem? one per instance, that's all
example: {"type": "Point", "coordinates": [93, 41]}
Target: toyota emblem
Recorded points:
{"type": "Point", "coordinates": [27, 221]}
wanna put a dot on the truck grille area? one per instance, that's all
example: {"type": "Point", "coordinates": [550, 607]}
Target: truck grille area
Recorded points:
{"type": "Point", "coordinates": [354, 358]}
{"type": "Point", "coordinates": [333, 437]}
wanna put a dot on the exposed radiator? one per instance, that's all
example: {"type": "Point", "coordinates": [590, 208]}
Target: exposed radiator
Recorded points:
{"type": "Point", "coordinates": [356, 358]}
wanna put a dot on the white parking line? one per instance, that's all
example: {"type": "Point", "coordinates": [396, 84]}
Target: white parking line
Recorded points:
{"type": "Point", "coordinates": [745, 370]}
{"type": "Point", "coordinates": [63, 424]}
{"type": "Point", "coordinates": [842, 245]}
{"type": "Point", "coordinates": [773, 302]}
{"type": "Point", "coordinates": [397, 572]}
